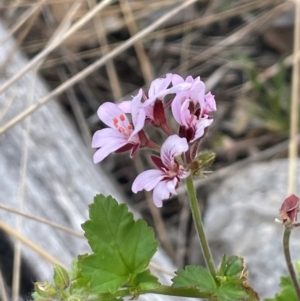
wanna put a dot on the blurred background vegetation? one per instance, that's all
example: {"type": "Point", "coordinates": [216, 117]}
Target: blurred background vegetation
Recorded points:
{"type": "Point", "coordinates": [241, 49]}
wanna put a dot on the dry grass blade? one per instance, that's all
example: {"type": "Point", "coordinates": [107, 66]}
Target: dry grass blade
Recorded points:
{"type": "Point", "coordinates": [138, 46]}
{"type": "Point", "coordinates": [21, 197]}
{"type": "Point", "coordinates": [293, 146]}
{"type": "Point", "coordinates": [238, 35]}
{"type": "Point", "coordinates": [62, 29]}
{"type": "Point", "coordinates": [20, 39]}
{"type": "Point", "coordinates": [204, 21]}
{"type": "Point", "coordinates": [30, 244]}
{"type": "Point", "coordinates": [70, 62]}
{"type": "Point", "coordinates": [90, 69]}
{"type": "Point", "coordinates": [82, 124]}
{"type": "Point", "coordinates": [59, 32]}
{"type": "Point", "coordinates": [23, 18]}
{"type": "Point", "coordinates": [110, 67]}
{"type": "Point", "coordinates": [38, 58]}
{"type": "Point", "coordinates": [236, 11]}
{"type": "Point", "coordinates": [159, 268]}
{"type": "Point", "coordinates": [186, 40]}
{"type": "Point", "coordinates": [43, 221]}
{"type": "Point", "coordinates": [74, 57]}
{"type": "Point", "coordinates": [217, 76]}
{"type": "Point", "coordinates": [268, 73]}
{"type": "Point", "coordinates": [24, 3]}
{"type": "Point", "coordinates": [6, 106]}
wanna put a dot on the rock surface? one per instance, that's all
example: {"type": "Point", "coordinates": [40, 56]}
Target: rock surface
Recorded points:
{"type": "Point", "coordinates": [61, 178]}
{"type": "Point", "coordinates": [241, 220]}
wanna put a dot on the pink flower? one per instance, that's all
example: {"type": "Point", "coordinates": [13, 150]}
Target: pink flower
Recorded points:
{"type": "Point", "coordinates": [189, 117]}
{"type": "Point", "coordinates": [120, 136]}
{"type": "Point", "coordinates": [159, 86]}
{"type": "Point", "coordinates": [159, 89]}
{"type": "Point", "coordinates": [191, 108]}
{"type": "Point", "coordinates": [166, 178]}
{"type": "Point", "coordinates": [196, 89]}
{"type": "Point", "coordinates": [154, 110]}
{"type": "Point", "coordinates": [209, 104]}
{"type": "Point", "coordinates": [196, 93]}
{"type": "Point", "coordinates": [156, 91]}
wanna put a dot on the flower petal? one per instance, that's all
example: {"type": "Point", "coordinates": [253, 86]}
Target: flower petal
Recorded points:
{"type": "Point", "coordinates": [105, 136]}
{"type": "Point", "coordinates": [173, 146]}
{"type": "Point", "coordinates": [109, 111]}
{"type": "Point", "coordinates": [107, 149]}
{"type": "Point", "coordinates": [182, 173]}
{"type": "Point", "coordinates": [161, 94]}
{"type": "Point", "coordinates": [189, 79]}
{"type": "Point", "coordinates": [180, 88]}
{"type": "Point", "coordinates": [160, 193]}
{"type": "Point", "coordinates": [197, 91]}
{"type": "Point", "coordinates": [200, 126]}
{"type": "Point", "coordinates": [186, 118]}
{"type": "Point", "coordinates": [147, 180]}
{"type": "Point", "coordinates": [210, 103]}
{"type": "Point", "coordinates": [125, 106]}
{"type": "Point", "coordinates": [171, 185]}
{"type": "Point", "coordinates": [138, 113]}
{"type": "Point", "coordinates": [159, 84]}
{"type": "Point", "coordinates": [176, 105]}
{"type": "Point", "coordinates": [177, 79]}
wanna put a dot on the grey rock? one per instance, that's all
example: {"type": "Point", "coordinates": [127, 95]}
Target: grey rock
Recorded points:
{"type": "Point", "coordinates": [241, 221]}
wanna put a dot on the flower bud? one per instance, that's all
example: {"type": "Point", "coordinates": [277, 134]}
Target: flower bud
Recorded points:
{"type": "Point", "coordinates": [289, 209]}
{"type": "Point", "coordinates": [203, 161]}
{"type": "Point", "coordinates": [233, 266]}
{"type": "Point", "coordinates": [206, 158]}
{"type": "Point", "coordinates": [45, 289]}
{"type": "Point", "coordinates": [61, 277]}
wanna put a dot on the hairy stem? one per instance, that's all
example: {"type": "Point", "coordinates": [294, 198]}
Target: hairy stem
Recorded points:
{"type": "Point", "coordinates": [161, 290]}
{"type": "Point", "coordinates": [199, 225]}
{"type": "Point", "coordinates": [287, 255]}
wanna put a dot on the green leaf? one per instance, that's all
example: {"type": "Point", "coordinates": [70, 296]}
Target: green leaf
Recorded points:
{"type": "Point", "coordinates": [231, 291]}
{"type": "Point", "coordinates": [79, 283]}
{"type": "Point", "coordinates": [195, 276]}
{"type": "Point", "coordinates": [123, 247]}
{"type": "Point", "coordinates": [145, 281]}
{"type": "Point", "coordinates": [287, 291]}
{"type": "Point", "coordinates": [233, 266]}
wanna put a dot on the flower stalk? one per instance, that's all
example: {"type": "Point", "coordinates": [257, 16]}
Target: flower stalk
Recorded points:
{"type": "Point", "coordinates": [199, 225]}
{"type": "Point", "coordinates": [287, 255]}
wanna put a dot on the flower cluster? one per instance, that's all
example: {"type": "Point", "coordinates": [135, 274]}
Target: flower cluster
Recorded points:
{"type": "Point", "coordinates": [190, 108]}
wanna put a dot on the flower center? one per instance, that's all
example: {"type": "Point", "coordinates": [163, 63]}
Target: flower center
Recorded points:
{"type": "Point", "coordinates": [122, 125]}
